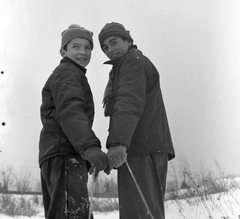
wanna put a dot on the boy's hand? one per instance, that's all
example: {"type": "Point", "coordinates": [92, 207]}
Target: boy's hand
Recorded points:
{"type": "Point", "coordinates": [97, 158]}
{"type": "Point", "coordinates": [117, 156]}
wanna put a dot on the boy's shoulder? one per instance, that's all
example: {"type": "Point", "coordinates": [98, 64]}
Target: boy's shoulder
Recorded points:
{"type": "Point", "coordinates": [69, 65]}
{"type": "Point", "coordinates": [65, 63]}
{"type": "Point", "coordinates": [67, 68]}
{"type": "Point", "coordinates": [136, 54]}
{"type": "Point", "coordinates": [136, 57]}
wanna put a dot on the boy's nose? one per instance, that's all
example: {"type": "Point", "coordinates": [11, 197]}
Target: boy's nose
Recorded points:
{"type": "Point", "coordinates": [82, 51]}
{"type": "Point", "coordinates": [110, 49]}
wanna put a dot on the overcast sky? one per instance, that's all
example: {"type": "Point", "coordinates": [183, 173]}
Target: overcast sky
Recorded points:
{"type": "Point", "coordinates": [194, 45]}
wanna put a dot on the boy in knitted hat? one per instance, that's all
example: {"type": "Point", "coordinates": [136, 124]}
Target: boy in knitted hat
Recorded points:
{"type": "Point", "coordinates": [68, 146]}
{"type": "Point", "coordinates": [139, 139]}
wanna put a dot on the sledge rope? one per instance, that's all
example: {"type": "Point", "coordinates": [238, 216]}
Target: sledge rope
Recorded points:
{"type": "Point", "coordinates": [93, 186]}
{"type": "Point", "coordinates": [139, 190]}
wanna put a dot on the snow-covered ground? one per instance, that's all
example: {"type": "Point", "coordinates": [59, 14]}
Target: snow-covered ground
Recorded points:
{"type": "Point", "coordinates": [217, 206]}
{"type": "Point", "coordinates": [111, 215]}
{"type": "Point", "coordinates": [40, 215]}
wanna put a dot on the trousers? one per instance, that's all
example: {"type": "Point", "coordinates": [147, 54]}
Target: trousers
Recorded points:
{"type": "Point", "coordinates": [64, 187]}
{"type": "Point", "coordinates": [150, 172]}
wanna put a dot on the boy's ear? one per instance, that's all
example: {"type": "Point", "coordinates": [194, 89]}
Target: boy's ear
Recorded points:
{"type": "Point", "coordinates": [63, 52]}
{"type": "Point", "coordinates": [129, 42]}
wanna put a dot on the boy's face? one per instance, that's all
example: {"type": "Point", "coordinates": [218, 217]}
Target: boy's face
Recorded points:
{"type": "Point", "coordinates": [115, 47]}
{"type": "Point", "coordinates": [79, 50]}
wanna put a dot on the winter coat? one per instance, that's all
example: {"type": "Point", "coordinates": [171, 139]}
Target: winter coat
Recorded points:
{"type": "Point", "coordinates": [134, 102]}
{"type": "Point", "coordinates": [67, 112]}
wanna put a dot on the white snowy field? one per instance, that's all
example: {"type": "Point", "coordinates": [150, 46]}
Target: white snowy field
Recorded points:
{"type": "Point", "coordinates": [110, 215]}
{"type": "Point", "coordinates": [218, 206]}
{"type": "Point", "coordinates": [97, 215]}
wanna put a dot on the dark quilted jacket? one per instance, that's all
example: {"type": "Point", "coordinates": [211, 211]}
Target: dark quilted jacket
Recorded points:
{"type": "Point", "coordinates": [67, 112]}
{"type": "Point", "coordinates": [137, 113]}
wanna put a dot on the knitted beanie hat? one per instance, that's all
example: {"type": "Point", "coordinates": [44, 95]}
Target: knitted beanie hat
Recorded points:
{"type": "Point", "coordinates": [75, 31]}
{"type": "Point", "coordinates": [113, 29]}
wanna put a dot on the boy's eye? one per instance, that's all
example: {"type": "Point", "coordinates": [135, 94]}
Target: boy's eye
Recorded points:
{"type": "Point", "coordinates": [113, 43]}
{"type": "Point", "coordinates": [88, 48]}
{"type": "Point", "coordinates": [105, 48]}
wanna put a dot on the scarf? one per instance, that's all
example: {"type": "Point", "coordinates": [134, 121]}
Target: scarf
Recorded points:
{"type": "Point", "coordinates": [107, 99]}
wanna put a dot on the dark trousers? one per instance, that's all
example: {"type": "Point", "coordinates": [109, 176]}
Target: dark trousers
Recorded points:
{"type": "Point", "coordinates": [150, 172]}
{"type": "Point", "coordinates": [64, 188]}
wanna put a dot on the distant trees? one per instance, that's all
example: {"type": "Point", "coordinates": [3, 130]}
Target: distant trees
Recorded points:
{"type": "Point", "coordinates": [6, 179]}
{"type": "Point", "coordinates": [110, 187]}
{"type": "Point", "coordinates": [22, 182]}
{"type": "Point", "coordinates": [11, 181]}
{"type": "Point", "coordinates": [103, 187]}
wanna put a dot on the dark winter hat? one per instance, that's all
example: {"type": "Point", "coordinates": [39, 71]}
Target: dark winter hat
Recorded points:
{"type": "Point", "coordinates": [113, 29]}
{"type": "Point", "coordinates": [75, 31]}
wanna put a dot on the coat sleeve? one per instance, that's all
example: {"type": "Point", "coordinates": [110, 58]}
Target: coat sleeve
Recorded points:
{"type": "Point", "coordinates": [128, 102]}
{"type": "Point", "coordinates": [68, 96]}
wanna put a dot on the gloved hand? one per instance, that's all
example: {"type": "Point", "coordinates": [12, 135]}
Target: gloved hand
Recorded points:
{"type": "Point", "coordinates": [98, 159]}
{"type": "Point", "coordinates": [117, 156]}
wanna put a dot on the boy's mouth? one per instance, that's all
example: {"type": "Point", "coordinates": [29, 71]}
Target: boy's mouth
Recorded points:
{"type": "Point", "coordinates": [114, 55]}
{"type": "Point", "coordinates": [81, 59]}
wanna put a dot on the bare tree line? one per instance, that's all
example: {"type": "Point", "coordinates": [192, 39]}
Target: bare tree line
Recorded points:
{"type": "Point", "coordinates": [21, 181]}
{"type": "Point", "coordinates": [12, 180]}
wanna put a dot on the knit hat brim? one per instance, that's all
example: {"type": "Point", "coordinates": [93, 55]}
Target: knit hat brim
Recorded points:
{"type": "Point", "coordinates": [113, 29]}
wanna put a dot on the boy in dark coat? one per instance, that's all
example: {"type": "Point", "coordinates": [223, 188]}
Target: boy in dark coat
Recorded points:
{"type": "Point", "coordinates": [68, 145]}
{"type": "Point", "coordinates": [138, 129]}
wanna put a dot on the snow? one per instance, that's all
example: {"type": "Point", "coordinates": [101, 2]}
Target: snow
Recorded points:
{"type": "Point", "coordinates": [217, 206]}
{"type": "Point", "coordinates": [97, 215]}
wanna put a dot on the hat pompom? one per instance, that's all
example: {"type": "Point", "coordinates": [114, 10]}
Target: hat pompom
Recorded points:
{"type": "Point", "coordinates": [74, 25]}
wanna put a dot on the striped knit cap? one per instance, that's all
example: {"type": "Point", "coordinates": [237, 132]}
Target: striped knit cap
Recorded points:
{"type": "Point", "coordinates": [75, 31]}
{"type": "Point", "coordinates": [113, 29]}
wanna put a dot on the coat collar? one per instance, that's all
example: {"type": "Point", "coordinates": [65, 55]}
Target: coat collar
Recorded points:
{"type": "Point", "coordinates": [67, 60]}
